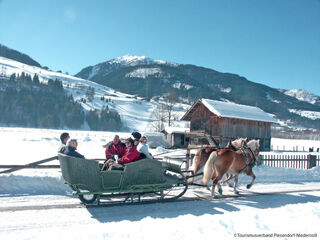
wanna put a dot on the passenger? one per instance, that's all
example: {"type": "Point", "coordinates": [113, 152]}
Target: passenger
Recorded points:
{"type": "Point", "coordinates": [143, 148]}
{"type": "Point", "coordinates": [136, 137]}
{"type": "Point", "coordinates": [64, 137]}
{"type": "Point", "coordinates": [131, 154]}
{"type": "Point", "coordinates": [71, 148]}
{"type": "Point", "coordinates": [116, 147]}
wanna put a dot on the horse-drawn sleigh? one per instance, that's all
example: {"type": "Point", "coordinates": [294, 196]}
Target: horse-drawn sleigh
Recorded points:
{"type": "Point", "coordinates": [157, 179]}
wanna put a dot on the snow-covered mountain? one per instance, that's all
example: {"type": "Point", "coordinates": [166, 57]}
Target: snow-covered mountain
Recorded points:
{"type": "Point", "coordinates": [124, 61]}
{"type": "Point", "coordinates": [153, 78]}
{"type": "Point", "coordinates": [134, 111]}
{"type": "Point", "coordinates": [302, 95]}
{"type": "Point", "coordinates": [127, 81]}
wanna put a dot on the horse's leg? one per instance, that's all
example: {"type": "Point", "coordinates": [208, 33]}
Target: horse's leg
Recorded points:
{"type": "Point", "coordinates": [228, 177]}
{"type": "Point", "coordinates": [219, 188]}
{"type": "Point", "coordinates": [235, 184]}
{"type": "Point", "coordinates": [214, 183]}
{"type": "Point", "coordinates": [216, 179]}
{"type": "Point", "coordinates": [250, 173]}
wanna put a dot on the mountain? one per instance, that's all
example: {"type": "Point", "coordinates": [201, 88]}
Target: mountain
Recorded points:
{"type": "Point", "coordinates": [134, 111]}
{"type": "Point", "coordinates": [153, 78]}
{"type": "Point", "coordinates": [133, 85]}
{"type": "Point", "coordinates": [18, 56]}
{"type": "Point", "coordinates": [302, 95]}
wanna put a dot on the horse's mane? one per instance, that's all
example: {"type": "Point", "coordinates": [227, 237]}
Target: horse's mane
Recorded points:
{"type": "Point", "coordinates": [239, 143]}
{"type": "Point", "coordinates": [253, 144]}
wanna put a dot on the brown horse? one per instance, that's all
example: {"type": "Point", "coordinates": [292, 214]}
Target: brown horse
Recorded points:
{"type": "Point", "coordinates": [202, 155]}
{"type": "Point", "coordinates": [232, 162]}
{"type": "Point", "coordinates": [199, 160]}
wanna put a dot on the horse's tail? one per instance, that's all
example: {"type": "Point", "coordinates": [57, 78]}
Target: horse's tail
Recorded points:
{"type": "Point", "coordinates": [195, 165]}
{"type": "Point", "coordinates": [208, 168]}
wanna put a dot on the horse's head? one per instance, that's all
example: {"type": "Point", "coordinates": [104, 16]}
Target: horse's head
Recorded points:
{"type": "Point", "coordinates": [254, 146]}
{"type": "Point", "coordinates": [240, 143]}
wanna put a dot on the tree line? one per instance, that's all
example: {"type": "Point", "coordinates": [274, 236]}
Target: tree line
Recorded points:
{"type": "Point", "coordinates": [24, 101]}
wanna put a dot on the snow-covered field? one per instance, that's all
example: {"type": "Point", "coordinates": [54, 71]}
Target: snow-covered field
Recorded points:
{"type": "Point", "coordinates": [292, 214]}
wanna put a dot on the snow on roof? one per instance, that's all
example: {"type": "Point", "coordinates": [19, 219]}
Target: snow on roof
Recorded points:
{"type": "Point", "coordinates": [176, 130]}
{"type": "Point", "coordinates": [234, 110]}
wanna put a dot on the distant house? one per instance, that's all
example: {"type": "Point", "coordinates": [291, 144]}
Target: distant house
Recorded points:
{"type": "Point", "coordinates": [227, 121]}
{"type": "Point", "coordinates": [176, 136]}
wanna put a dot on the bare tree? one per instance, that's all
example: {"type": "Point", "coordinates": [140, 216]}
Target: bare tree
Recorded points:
{"type": "Point", "coordinates": [158, 118]}
{"type": "Point", "coordinates": [169, 101]}
{"type": "Point", "coordinates": [163, 113]}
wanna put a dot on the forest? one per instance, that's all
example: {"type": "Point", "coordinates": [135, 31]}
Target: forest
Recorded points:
{"type": "Point", "coordinates": [27, 102]}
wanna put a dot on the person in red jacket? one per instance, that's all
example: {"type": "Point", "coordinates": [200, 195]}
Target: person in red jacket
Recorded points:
{"type": "Point", "coordinates": [116, 147]}
{"type": "Point", "coordinates": [131, 154]}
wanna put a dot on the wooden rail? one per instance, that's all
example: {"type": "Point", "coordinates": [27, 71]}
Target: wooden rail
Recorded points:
{"type": "Point", "coordinates": [29, 165]}
{"type": "Point", "coordinates": [306, 161]}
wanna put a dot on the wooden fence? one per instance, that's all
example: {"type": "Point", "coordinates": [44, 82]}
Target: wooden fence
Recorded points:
{"type": "Point", "coordinates": [305, 161]}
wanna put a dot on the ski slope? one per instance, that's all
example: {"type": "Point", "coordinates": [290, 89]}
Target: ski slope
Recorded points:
{"type": "Point", "coordinates": [134, 111]}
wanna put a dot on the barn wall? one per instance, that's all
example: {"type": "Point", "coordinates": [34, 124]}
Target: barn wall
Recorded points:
{"type": "Point", "coordinates": [203, 119]}
{"type": "Point", "coordinates": [225, 129]}
{"type": "Point", "coordinates": [234, 128]}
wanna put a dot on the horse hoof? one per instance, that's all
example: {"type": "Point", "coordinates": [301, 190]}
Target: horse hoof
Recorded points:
{"type": "Point", "coordinates": [220, 191]}
{"type": "Point", "coordinates": [249, 186]}
{"type": "Point", "coordinates": [215, 197]}
{"type": "Point", "coordinates": [236, 192]}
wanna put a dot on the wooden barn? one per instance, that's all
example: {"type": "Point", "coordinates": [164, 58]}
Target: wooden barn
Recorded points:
{"type": "Point", "coordinates": [227, 121]}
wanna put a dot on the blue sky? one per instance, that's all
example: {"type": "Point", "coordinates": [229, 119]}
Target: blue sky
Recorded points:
{"type": "Point", "coordinates": [273, 42]}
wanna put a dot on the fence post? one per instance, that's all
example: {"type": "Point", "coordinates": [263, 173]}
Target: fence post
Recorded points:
{"type": "Point", "coordinates": [312, 161]}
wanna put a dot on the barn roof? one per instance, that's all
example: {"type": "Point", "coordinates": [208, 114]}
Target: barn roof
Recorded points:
{"type": "Point", "coordinates": [231, 110]}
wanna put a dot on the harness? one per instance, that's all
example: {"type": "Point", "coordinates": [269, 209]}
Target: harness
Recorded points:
{"type": "Point", "coordinates": [247, 153]}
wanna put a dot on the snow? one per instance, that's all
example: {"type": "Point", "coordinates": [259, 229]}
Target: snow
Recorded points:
{"type": "Point", "coordinates": [180, 85]}
{"type": "Point", "coordinates": [302, 95]}
{"type": "Point", "coordinates": [308, 114]}
{"type": "Point", "coordinates": [222, 89]}
{"type": "Point", "coordinates": [297, 145]}
{"type": "Point", "coordinates": [35, 204]}
{"type": "Point", "coordinates": [171, 130]}
{"type": "Point", "coordinates": [135, 112]}
{"type": "Point", "coordinates": [271, 99]}
{"type": "Point", "coordinates": [233, 110]}
{"type": "Point", "coordinates": [130, 60]}
{"type": "Point", "coordinates": [143, 72]}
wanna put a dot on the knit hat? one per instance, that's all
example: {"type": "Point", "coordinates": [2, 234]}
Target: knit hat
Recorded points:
{"type": "Point", "coordinates": [136, 136]}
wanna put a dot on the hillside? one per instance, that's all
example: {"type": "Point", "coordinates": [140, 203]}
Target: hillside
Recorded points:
{"type": "Point", "coordinates": [134, 111]}
{"type": "Point", "coordinates": [133, 85]}
{"type": "Point", "coordinates": [153, 78]}
{"type": "Point", "coordinates": [18, 56]}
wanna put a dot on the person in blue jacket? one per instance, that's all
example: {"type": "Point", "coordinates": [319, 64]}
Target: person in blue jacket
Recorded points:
{"type": "Point", "coordinates": [71, 148]}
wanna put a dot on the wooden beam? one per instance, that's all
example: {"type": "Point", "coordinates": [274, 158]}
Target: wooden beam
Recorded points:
{"type": "Point", "coordinates": [29, 165]}
{"type": "Point", "coordinates": [23, 166]}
